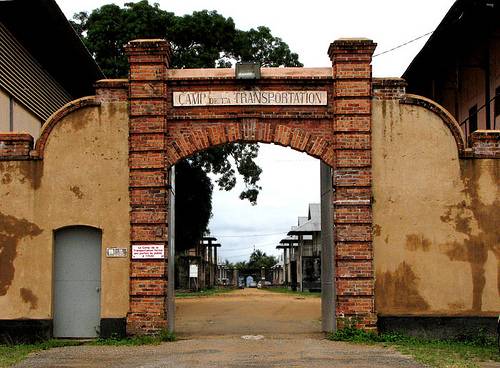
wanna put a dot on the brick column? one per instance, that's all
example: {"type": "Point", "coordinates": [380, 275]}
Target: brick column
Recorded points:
{"type": "Point", "coordinates": [352, 217]}
{"type": "Point", "coordinates": [149, 195]}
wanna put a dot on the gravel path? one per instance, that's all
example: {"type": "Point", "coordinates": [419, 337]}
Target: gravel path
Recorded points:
{"type": "Point", "coordinates": [210, 329]}
{"type": "Point", "coordinates": [225, 353]}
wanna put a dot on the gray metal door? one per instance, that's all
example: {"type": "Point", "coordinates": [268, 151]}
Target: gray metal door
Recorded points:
{"type": "Point", "coordinates": [77, 282]}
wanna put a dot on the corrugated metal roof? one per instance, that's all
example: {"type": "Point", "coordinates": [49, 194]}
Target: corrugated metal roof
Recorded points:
{"type": "Point", "coordinates": [312, 225]}
{"type": "Point", "coordinates": [302, 220]}
{"type": "Point", "coordinates": [26, 80]}
{"type": "Point", "coordinates": [43, 30]}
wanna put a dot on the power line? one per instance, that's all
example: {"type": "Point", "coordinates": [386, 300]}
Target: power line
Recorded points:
{"type": "Point", "coordinates": [403, 44]}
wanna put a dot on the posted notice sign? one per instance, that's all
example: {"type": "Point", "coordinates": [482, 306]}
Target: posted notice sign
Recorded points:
{"type": "Point", "coordinates": [193, 270]}
{"type": "Point", "coordinates": [148, 251]}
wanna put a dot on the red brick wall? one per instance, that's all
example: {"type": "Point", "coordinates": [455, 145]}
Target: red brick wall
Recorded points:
{"type": "Point", "coordinates": [352, 181]}
{"type": "Point", "coordinates": [338, 133]}
{"type": "Point", "coordinates": [485, 144]}
{"type": "Point", "coordinates": [15, 146]}
{"type": "Point", "coordinates": [148, 181]}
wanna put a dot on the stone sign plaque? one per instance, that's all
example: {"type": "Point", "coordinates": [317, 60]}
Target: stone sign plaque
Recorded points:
{"type": "Point", "coordinates": [241, 98]}
{"type": "Point", "coordinates": [148, 251]}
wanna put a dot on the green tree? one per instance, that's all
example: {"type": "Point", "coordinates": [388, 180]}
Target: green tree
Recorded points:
{"type": "Point", "coordinates": [257, 260]}
{"type": "Point", "coordinates": [203, 39]}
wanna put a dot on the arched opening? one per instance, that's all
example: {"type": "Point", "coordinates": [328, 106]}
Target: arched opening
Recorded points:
{"type": "Point", "coordinates": [292, 297]}
{"type": "Point", "coordinates": [77, 282]}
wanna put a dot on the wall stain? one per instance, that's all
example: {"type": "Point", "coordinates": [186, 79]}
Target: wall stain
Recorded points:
{"type": "Point", "coordinates": [28, 297]}
{"type": "Point", "coordinates": [398, 291]}
{"type": "Point", "coordinates": [83, 120]}
{"type": "Point", "coordinates": [6, 178]}
{"type": "Point", "coordinates": [417, 242]}
{"type": "Point", "coordinates": [76, 191]}
{"type": "Point", "coordinates": [377, 229]}
{"type": "Point", "coordinates": [12, 230]}
{"type": "Point", "coordinates": [31, 171]}
{"type": "Point", "coordinates": [475, 247]}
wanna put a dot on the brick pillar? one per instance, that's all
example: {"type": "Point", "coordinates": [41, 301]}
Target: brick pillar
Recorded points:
{"type": "Point", "coordinates": [352, 217]}
{"type": "Point", "coordinates": [149, 60]}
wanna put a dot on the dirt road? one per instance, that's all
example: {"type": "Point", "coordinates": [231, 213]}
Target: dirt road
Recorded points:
{"type": "Point", "coordinates": [248, 312]}
{"type": "Point", "coordinates": [211, 330]}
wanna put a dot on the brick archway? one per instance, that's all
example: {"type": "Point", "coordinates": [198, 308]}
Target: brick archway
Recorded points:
{"type": "Point", "coordinates": [338, 133]}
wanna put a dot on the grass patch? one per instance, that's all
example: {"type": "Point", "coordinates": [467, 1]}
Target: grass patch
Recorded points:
{"type": "Point", "coordinates": [163, 336]}
{"type": "Point", "coordinates": [284, 290]}
{"type": "Point", "coordinates": [12, 354]}
{"type": "Point", "coordinates": [203, 293]}
{"type": "Point", "coordinates": [464, 353]}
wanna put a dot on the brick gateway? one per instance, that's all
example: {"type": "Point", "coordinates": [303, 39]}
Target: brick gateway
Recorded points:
{"type": "Point", "coordinates": [338, 133]}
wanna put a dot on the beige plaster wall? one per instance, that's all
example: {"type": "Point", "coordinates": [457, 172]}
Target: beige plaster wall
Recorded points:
{"type": "Point", "coordinates": [23, 120]}
{"type": "Point", "coordinates": [4, 111]}
{"type": "Point", "coordinates": [436, 233]}
{"type": "Point", "coordinates": [82, 180]}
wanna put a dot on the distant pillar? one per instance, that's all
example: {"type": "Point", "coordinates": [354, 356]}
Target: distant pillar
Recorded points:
{"type": "Point", "coordinates": [210, 267]}
{"type": "Point", "coordinates": [216, 267]}
{"type": "Point", "coordinates": [235, 277]}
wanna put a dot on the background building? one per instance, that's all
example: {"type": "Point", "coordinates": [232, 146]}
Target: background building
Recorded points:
{"type": "Point", "coordinates": [459, 66]}
{"type": "Point", "coordinates": [43, 64]}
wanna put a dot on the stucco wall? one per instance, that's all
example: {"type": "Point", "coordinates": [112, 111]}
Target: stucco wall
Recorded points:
{"type": "Point", "coordinates": [436, 233]}
{"type": "Point", "coordinates": [82, 180]}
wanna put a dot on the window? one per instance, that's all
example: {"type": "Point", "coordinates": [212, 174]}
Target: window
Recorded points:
{"type": "Point", "coordinates": [473, 119]}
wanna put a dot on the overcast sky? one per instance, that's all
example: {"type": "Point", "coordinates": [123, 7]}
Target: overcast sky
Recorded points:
{"type": "Point", "coordinates": [291, 179]}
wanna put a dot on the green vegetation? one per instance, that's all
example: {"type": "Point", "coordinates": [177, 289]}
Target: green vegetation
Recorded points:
{"type": "Point", "coordinates": [258, 260]}
{"type": "Point", "coordinates": [285, 290]}
{"type": "Point", "coordinates": [162, 336]}
{"type": "Point", "coordinates": [465, 352]}
{"type": "Point", "coordinates": [202, 293]}
{"type": "Point", "coordinates": [11, 354]}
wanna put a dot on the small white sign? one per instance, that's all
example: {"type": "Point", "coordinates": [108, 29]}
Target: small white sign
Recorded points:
{"type": "Point", "coordinates": [116, 252]}
{"type": "Point", "coordinates": [193, 270]}
{"type": "Point", "coordinates": [249, 98]}
{"type": "Point", "coordinates": [148, 251]}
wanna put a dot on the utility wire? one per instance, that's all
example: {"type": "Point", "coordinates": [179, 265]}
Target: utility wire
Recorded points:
{"type": "Point", "coordinates": [249, 235]}
{"type": "Point", "coordinates": [403, 44]}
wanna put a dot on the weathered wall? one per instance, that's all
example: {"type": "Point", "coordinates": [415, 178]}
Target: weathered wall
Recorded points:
{"type": "Point", "coordinates": [436, 233]}
{"type": "Point", "coordinates": [82, 180]}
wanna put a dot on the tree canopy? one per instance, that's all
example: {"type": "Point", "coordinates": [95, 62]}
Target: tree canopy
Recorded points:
{"type": "Point", "coordinates": [258, 260]}
{"type": "Point", "coordinates": [203, 39]}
